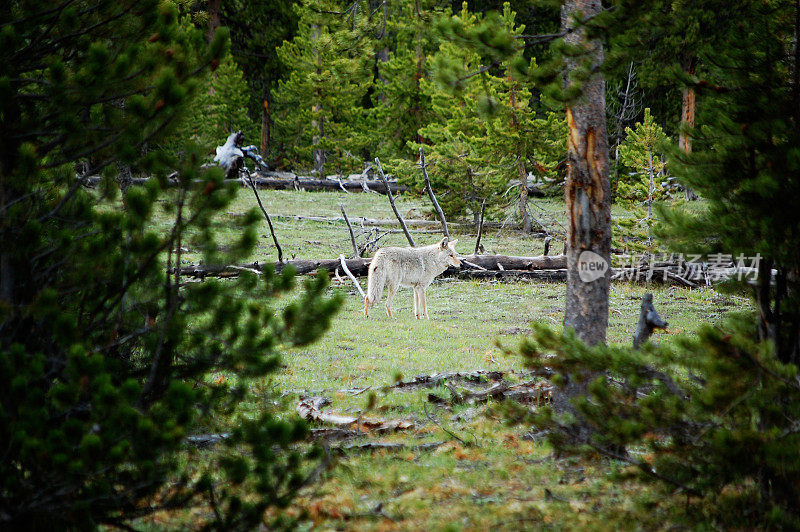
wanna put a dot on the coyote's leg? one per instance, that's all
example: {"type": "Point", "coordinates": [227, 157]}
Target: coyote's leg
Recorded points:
{"type": "Point", "coordinates": [423, 296]}
{"type": "Point", "coordinates": [366, 307]}
{"type": "Point", "coordinates": [389, 295]}
{"type": "Point", "coordinates": [415, 288]}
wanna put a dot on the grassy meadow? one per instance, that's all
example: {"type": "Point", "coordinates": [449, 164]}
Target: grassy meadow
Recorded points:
{"type": "Point", "coordinates": [486, 474]}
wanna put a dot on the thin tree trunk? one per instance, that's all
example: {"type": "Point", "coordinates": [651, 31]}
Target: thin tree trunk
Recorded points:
{"type": "Point", "coordinates": [523, 198]}
{"type": "Point", "coordinates": [625, 108]}
{"type": "Point", "coordinates": [6, 278]}
{"type": "Point", "coordinates": [688, 101]}
{"type": "Point", "coordinates": [394, 207]}
{"type": "Point", "coordinates": [416, 109]}
{"type": "Point", "coordinates": [318, 120]}
{"type": "Point", "coordinates": [523, 173]}
{"type": "Point", "coordinates": [650, 189]}
{"type": "Point", "coordinates": [266, 124]}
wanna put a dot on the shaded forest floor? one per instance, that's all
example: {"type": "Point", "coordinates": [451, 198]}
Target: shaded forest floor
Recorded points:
{"type": "Point", "coordinates": [460, 467]}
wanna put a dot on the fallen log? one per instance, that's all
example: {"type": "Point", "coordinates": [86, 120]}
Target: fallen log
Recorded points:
{"type": "Point", "coordinates": [477, 267]}
{"type": "Point", "coordinates": [387, 446]}
{"type": "Point", "coordinates": [298, 183]}
{"type": "Point", "coordinates": [538, 391]}
{"type": "Point", "coordinates": [311, 408]}
{"type": "Point", "coordinates": [382, 222]}
{"type": "Point", "coordinates": [436, 379]}
{"type": "Point", "coordinates": [511, 275]}
{"type": "Point", "coordinates": [359, 266]}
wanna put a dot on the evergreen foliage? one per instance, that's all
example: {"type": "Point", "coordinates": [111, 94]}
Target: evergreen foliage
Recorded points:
{"type": "Point", "coordinates": [400, 108]}
{"type": "Point", "coordinates": [642, 155]}
{"type": "Point", "coordinates": [320, 104]}
{"type": "Point", "coordinates": [218, 108]}
{"type": "Point", "coordinates": [107, 361]}
{"type": "Point", "coordinates": [715, 415]}
{"type": "Point", "coordinates": [484, 132]}
{"type": "Point", "coordinates": [257, 30]}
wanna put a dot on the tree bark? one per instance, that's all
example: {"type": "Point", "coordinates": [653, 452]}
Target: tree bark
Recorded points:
{"type": "Point", "coordinates": [213, 18]}
{"type": "Point", "coordinates": [587, 187]}
{"type": "Point", "coordinates": [587, 193]}
{"type": "Point", "coordinates": [687, 115]}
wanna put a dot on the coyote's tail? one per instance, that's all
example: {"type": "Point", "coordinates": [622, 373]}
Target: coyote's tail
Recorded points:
{"type": "Point", "coordinates": [375, 282]}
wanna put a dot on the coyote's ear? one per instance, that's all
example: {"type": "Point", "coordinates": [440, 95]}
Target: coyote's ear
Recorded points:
{"type": "Point", "coordinates": [452, 244]}
{"type": "Point", "coordinates": [443, 243]}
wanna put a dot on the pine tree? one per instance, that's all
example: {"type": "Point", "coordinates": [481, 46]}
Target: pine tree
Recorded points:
{"type": "Point", "coordinates": [107, 361]}
{"type": "Point", "coordinates": [483, 131]}
{"type": "Point", "coordinates": [716, 413]}
{"type": "Point", "coordinates": [218, 108]}
{"type": "Point", "coordinates": [400, 106]}
{"type": "Point", "coordinates": [257, 30]}
{"type": "Point", "coordinates": [320, 103]}
{"type": "Point", "coordinates": [643, 153]}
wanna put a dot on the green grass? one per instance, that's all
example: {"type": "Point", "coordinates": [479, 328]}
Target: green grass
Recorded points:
{"type": "Point", "coordinates": [502, 481]}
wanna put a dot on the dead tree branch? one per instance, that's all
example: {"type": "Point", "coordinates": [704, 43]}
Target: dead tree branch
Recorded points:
{"type": "Point", "coordinates": [480, 229]}
{"type": "Point", "coordinates": [394, 207]}
{"type": "Point", "coordinates": [266, 215]}
{"type": "Point", "coordinates": [428, 188]}
{"type": "Point", "coordinates": [351, 276]}
{"type": "Point", "coordinates": [350, 228]}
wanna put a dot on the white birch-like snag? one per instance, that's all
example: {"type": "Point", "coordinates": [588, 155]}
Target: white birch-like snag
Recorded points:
{"type": "Point", "coordinates": [352, 277]}
{"type": "Point", "coordinates": [311, 409]}
{"type": "Point", "coordinates": [230, 156]}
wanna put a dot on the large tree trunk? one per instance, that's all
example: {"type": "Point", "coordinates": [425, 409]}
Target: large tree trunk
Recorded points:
{"type": "Point", "coordinates": [687, 115]}
{"type": "Point", "coordinates": [213, 18]}
{"type": "Point", "coordinates": [587, 193]}
{"type": "Point", "coordinates": [587, 189]}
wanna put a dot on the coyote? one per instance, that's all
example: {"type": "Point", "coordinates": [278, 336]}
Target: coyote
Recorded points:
{"type": "Point", "coordinates": [414, 267]}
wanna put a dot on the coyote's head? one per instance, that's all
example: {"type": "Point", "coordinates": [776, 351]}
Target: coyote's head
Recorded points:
{"type": "Point", "coordinates": [449, 247]}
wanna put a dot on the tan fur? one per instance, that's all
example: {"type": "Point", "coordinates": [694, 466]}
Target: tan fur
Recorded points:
{"type": "Point", "coordinates": [414, 267]}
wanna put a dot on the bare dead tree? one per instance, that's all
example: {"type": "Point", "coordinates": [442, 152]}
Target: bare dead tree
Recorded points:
{"type": "Point", "coordinates": [394, 207]}
{"type": "Point", "coordinates": [480, 228]}
{"type": "Point", "coordinates": [431, 195]}
{"type": "Point", "coordinates": [266, 215]}
{"type": "Point", "coordinates": [623, 108]}
{"type": "Point", "coordinates": [350, 228]}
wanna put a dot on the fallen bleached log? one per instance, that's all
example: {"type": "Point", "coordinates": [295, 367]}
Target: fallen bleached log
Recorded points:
{"type": "Point", "coordinates": [500, 264]}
